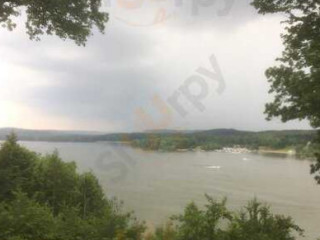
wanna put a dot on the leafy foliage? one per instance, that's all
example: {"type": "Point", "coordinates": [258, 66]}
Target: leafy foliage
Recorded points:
{"type": "Point", "coordinates": [196, 224]}
{"type": "Point", "coordinates": [43, 197]}
{"type": "Point", "coordinates": [315, 168]}
{"type": "Point", "coordinates": [25, 218]}
{"type": "Point", "coordinates": [295, 81]}
{"type": "Point", "coordinates": [57, 183]}
{"type": "Point", "coordinates": [70, 19]}
{"type": "Point", "coordinates": [257, 222]}
{"type": "Point", "coordinates": [208, 141]}
{"type": "Point", "coordinates": [216, 222]}
{"type": "Point", "coordinates": [17, 166]}
{"type": "Point", "coordinates": [167, 232]}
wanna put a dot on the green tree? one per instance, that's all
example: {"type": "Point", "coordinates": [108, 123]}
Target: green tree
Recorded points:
{"type": "Point", "coordinates": [68, 19]}
{"type": "Point", "coordinates": [256, 222]}
{"type": "Point", "coordinates": [57, 183]}
{"type": "Point", "coordinates": [71, 226]}
{"type": "Point", "coordinates": [215, 221]}
{"type": "Point", "coordinates": [43, 197]}
{"type": "Point", "coordinates": [25, 219]}
{"type": "Point", "coordinates": [295, 81]}
{"type": "Point", "coordinates": [197, 224]}
{"type": "Point", "coordinates": [166, 232]}
{"type": "Point", "coordinates": [17, 166]}
{"type": "Point", "coordinates": [92, 199]}
{"type": "Point", "coordinates": [115, 224]}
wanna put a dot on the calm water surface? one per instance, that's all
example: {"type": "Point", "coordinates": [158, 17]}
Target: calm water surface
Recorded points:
{"type": "Point", "coordinates": [156, 185]}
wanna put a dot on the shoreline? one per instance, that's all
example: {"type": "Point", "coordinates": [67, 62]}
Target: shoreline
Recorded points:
{"type": "Point", "coordinates": [232, 150]}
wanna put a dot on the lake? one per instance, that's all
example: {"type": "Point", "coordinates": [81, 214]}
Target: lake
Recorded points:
{"type": "Point", "coordinates": [156, 185]}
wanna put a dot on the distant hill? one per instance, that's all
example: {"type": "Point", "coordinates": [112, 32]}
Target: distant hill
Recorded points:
{"type": "Point", "coordinates": [201, 135]}
{"type": "Point", "coordinates": [299, 141]}
{"type": "Point", "coordinates": [223, 132]}
{"type": "Point", "coordinates": [170, 131]}
{"type": "Point", "coordinates": [48, 135]}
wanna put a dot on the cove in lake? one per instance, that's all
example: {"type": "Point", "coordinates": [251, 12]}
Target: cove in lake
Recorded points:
{"type": "Point", "coordinates": [157, 185]}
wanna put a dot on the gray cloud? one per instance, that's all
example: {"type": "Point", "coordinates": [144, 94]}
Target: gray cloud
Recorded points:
{"type": "Point", "coordinates": [122, 70]}
{"type": "Point", "coordinates": [221, 14]}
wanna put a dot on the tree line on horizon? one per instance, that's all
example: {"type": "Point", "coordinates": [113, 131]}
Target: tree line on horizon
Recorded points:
{"type": "Point", "coordinates": [302, 141]}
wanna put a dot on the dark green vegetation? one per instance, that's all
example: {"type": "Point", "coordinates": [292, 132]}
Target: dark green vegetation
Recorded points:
{"type": "Point", "coordinates": [44, 198]}
{"type": "Point", "coordinates": [301, 141]}
{"type": "Point", "coordinates": [49, 135]}
{"type": "Point", "coordinates": [295, 81]}
{"type": "Point", "coordinates": [216, 222]}
{"type": "Point", "coordinates": [70, 19]}
{"type": "Point", "coordinates": [217, 139]}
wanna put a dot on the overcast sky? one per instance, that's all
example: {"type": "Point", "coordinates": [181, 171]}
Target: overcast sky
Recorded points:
{"type": "Point", "coordinates": [121, 81]}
